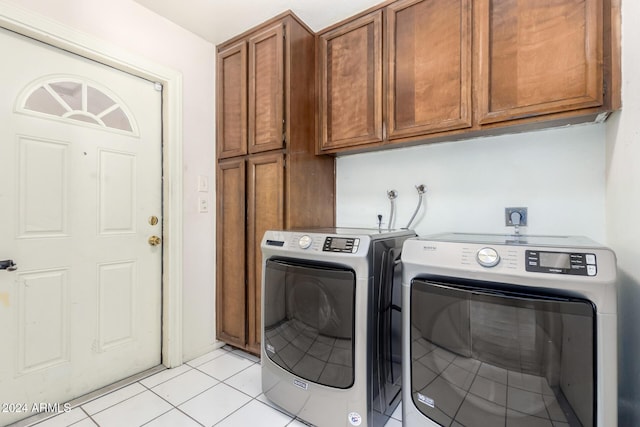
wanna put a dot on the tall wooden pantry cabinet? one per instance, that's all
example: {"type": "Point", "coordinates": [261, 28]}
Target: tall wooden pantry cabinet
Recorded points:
{"type": "Point", "coordinates": [267, 174]}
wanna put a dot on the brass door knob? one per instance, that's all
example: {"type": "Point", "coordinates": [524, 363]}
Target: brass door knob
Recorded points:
{"type": "Point", "coordinates": [154, 240]}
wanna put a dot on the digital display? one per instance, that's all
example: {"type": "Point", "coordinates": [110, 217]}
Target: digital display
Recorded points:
{"type": "Point", "coordinates": [337, 243]}
{"type": "Point", "coordinates": [555, 260]}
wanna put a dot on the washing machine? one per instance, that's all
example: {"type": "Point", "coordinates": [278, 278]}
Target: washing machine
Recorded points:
{"type": "Point", "coordinates": [332, 324]}
{"type": "Point", "coordinates": [509, 330]}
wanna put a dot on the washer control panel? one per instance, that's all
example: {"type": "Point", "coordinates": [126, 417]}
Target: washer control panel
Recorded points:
{"type": "Point", "coordinates": [341, 244]}
{"type": "Point", "coordinates": [575, 263]}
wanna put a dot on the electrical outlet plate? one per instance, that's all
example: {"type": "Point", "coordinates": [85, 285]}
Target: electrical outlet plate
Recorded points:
{"type": "Point", "coordinates": [203, 205]}
{"type": "Point", "coordinates": [523, 216]}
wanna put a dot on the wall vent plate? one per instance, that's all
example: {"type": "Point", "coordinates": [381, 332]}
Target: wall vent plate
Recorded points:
{"type": "Point", "coordinates": [523, 216]}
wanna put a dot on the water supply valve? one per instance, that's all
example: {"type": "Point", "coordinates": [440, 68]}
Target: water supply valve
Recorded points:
{"type": "Point", "coordinates": [515, 217]}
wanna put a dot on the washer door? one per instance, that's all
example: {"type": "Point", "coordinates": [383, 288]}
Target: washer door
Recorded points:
{"type": "Point", "coordinates": [308, 320]}
{"type": "Point", "coordinates": [482, 354]}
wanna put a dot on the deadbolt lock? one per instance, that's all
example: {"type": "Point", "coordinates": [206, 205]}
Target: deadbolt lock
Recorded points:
{"type": "Point", "coordinates": [153, 220]}
{"type": "Point", "coordinates": [154, 240]}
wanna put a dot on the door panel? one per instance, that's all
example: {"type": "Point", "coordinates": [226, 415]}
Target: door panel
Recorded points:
{"type": "Point", "coordinates": [266, 197]}
{"type": "Point", "coordinates": [538, 57]}
{"type": "Point", "coordinates": [266, 89]}
{"type": "Point", "coordinates": [429, 66]}
{"type": "Point", "coordinates": [351, 83]}
{"type": "Point", "coordinates": [230, 275]}
{"type": "Point", "coordinates": [231, 101]}
{"type": "Point", "coordinates": [42, 187]}
{"type": "Point", "coordinates": [116, 286]}
{"type": "Point", "coordinates": [116, 193]}
{"type": "Point", "coordinates": [42, 301]}
{"type": "Point", "coordinates": [77, 187]}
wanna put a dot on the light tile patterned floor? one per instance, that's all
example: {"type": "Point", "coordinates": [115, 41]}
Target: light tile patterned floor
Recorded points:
{"type": "Point", "coordinates": [221, 388]}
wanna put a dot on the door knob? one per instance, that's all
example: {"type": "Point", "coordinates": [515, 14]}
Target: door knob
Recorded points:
{"type": "Point", "coordinates": [8, 265]}
{"type": "Point", "coordinates": [154, 240]}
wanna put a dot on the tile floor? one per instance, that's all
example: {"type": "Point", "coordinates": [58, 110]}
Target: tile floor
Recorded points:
{"type": "Point", "coordinates": [221, 388]}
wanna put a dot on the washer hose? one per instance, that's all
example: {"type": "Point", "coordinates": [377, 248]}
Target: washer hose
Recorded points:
{"type": "Point", "coordinates": [421, 190]}
{"type": "Point", "coordinates": [392, 195]}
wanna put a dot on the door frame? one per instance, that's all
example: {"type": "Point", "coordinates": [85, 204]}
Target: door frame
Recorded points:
{"type": "Point", "coordinates": [58, 35]}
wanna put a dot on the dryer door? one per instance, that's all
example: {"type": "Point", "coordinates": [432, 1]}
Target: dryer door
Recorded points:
{"type": "Point", "coordinates": [308, 318]}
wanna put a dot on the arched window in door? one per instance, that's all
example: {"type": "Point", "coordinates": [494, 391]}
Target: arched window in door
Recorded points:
{"type": "Point", "coordinates": [74, 99]}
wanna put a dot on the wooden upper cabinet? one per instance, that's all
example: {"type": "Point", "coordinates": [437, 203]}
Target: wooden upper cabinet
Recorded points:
{"type": "Point", "coordinates": [538, 57]}
{"type": "Point", "coordinates": [266, 89]}
{"type": "Point", "coordinates": [456, 68]}
{"type": "Point", "coordinates": [427, 51]}
{"type": "Point", "coordinates": [429, 66]}
{"type": "Point", "coordinates": [350, 68]}
{"type": "Point", "coordinates": [231, 101]}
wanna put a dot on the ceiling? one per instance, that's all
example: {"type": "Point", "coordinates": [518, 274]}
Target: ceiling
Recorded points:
{"type": "Point", "coordinates": [219, 20]}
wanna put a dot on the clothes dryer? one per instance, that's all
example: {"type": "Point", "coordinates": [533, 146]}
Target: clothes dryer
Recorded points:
{"type": "Point", "coordinates": [331, 316]}
{"type": "Point", "coordinates": [509, 330]}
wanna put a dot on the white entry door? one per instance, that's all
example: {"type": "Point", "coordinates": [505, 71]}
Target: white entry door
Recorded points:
{"type": "Point", "coordinates": [80, 198]}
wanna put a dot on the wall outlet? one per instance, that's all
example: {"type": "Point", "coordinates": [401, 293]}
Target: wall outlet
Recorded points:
{"type": "Point", "coordinates": [203, 205]}
{"type": "Point", "coordinates": [508, 216]}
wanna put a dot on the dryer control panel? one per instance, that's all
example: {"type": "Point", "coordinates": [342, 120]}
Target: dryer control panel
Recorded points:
{"type": "Point", "coordinates": [341, 244]}
{"type": "Point", "coordinates": [575, 263]}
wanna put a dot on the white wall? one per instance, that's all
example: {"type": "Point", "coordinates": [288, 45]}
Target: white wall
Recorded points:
{"type": "Point", "coordinates": [623, 213]}
{"type": "Point", "coordinates": [131, 27]}
{"type": "Point", "coordinates": [557, 174]}
{"type": "Point", "coordinates": [219, 21]}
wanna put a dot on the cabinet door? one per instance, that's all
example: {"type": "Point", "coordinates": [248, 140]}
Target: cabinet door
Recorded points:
{"type": "Point", "coordinates": [538, 57]}
{"type": "Point", "coordinates": [266, 89]}
{"type": "Point", "coordinates": [230, 278]}
{"type": "Point", "coordinates": [231, 133]}
{"type": "Point", "coordinates": [429, 65]}
{"type": "Point", "coordinates": [265, 211]}
{"type": "Point", "coordinates": [350, 59]}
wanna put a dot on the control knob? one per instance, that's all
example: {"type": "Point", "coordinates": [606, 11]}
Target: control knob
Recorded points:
{"type": "Point", "coordinates": [488, 257]}
{"type": "Point", "coordinates": [305, 241]}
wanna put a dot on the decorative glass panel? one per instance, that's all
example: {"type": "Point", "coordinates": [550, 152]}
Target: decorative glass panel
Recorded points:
{"type": "Point", "coordinates": [117, 119]}
{"type": "Point", "coordinates": [42, 100]}
{"type": "Point", "coordinates": [70, 92]}
{"type": "Point", "coordinates": [97, 102]}
{"type": "Point", "coordinates": [77, 100]}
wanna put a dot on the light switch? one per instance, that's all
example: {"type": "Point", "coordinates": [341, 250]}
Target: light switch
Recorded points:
{"type": "Point", "coordinates": [203, 184]}
{"type": "Point", "coordinates": [203, 205]}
